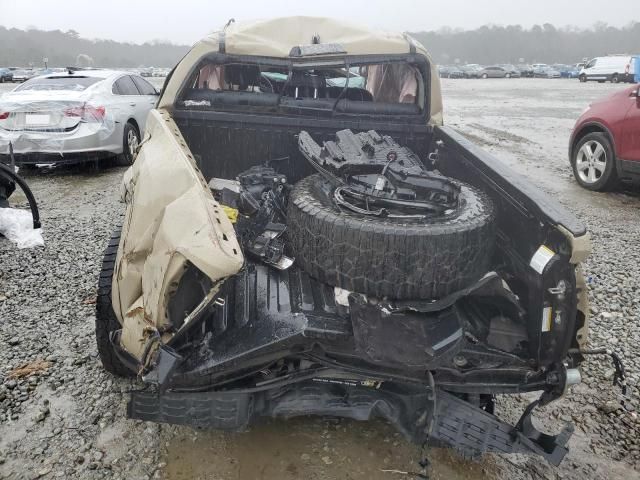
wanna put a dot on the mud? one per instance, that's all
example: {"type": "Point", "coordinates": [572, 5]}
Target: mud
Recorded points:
{"type": "Point", "coordinates": [308, 448]}
{"type": "Point", "coordinates": [526, 123]}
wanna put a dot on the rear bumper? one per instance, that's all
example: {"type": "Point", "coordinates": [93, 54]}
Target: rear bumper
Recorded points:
{"type": "Point", "coordinates": [436, 417]}
{"type": "Point", "coordinates": [43, 158]}
{"type": "Point", "coordinates": [86, 139]}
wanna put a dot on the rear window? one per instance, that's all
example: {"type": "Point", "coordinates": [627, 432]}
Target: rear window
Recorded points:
{"type": "Point", "coordinates": [70, 83]}
{"type": "Point", "coordinates": [392, 88]}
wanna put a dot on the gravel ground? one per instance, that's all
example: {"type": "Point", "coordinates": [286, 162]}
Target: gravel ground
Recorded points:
{"type": "Point", "coordinates": [67, 420]}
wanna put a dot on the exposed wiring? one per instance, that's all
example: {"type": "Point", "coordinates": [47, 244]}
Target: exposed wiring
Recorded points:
{"type": "Point", "coordinates": [619, 377]}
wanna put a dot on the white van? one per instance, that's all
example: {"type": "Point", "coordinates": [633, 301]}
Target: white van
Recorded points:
{"type": "Point", "coordinates": [614, 68]}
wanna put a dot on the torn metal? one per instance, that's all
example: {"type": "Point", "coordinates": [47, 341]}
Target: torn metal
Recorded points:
{"type": "Point", "coordinates": [165, 230]}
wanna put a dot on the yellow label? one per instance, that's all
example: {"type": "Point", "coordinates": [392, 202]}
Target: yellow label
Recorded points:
{"type": "Point", "coordinates": [547, 314]}
{"type": "Point", "coordinates": [232, 213]}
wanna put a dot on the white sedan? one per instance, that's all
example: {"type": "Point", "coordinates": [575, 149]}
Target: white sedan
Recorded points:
{"type": "Point", "coordinates": [76, 116]}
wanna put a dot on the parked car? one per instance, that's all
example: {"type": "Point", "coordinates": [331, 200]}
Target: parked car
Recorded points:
{"type": "Point", "coordinates": [545, 72]}
{"type": "Point", "coordinates": [451, 72]}
{"type": "Point", "coordinates": [471, 70]}
{"type": "Point", "coordinates": [566, 71]}
{"type": "Point", "coordinates": [22, 75]}
{"type": "Point", "coordinates": [48, 71]}
{"type": "Point", "coordinates": [604, 146]}
{"type": "Point", "coordinates": [512, 70]}
{"type": "Point", "coordinates": [6, 75]}
{"type": "Point", "coordinates": [525, 70]}
{"type": "Point", "coordinates": [571, 72]}
{"type": "Point", "coordinates": [447, 71]}
{"type": "Point", "coordinates": [75, 117]}
{"type": "Point", "coordinates": [146, 72]}
{"type": "Point", "coordinates": [495, 71]}
{"type": "Point", "coordinates": [613, 68]}
{"type": "Point", "coordinates": [288, 253]}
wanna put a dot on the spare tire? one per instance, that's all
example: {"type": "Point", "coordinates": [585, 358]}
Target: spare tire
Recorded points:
{"type": "Point", "coordinates": [384, 257]}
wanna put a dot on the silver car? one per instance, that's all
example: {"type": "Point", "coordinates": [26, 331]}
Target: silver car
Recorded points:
{"type": "Point", "coordinates": [76, 116]}
{"type": "Point", "coordinates": [495, 72]}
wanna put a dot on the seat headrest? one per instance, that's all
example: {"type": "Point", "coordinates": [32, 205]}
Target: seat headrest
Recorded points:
{"type": "Point", "coordinates": [243, 76]}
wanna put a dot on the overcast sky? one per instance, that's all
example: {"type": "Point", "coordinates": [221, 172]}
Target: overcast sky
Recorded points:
{"type": "Point", "coordinates": [185, 21]}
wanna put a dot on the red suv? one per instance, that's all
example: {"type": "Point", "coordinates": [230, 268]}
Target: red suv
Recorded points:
{"type": "Point", "coordinates": [605, 143]}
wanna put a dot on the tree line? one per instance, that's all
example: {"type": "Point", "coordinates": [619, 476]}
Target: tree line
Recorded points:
{"type": "Point", "coordinates": [538, 44]}
{"type": "Point", "coordinates": [484, 45]}
{"type": "Point", "coordinates": [24, 48]}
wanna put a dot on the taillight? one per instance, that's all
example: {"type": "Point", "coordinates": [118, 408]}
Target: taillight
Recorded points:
{"type": "Point", "coordinates": [86, 112]}
{"type": "Point", "coordinates": [4, 115]}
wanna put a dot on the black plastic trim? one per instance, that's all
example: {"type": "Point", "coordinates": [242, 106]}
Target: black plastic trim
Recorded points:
{"type": "Point", "coordinates": [455, 422]}
{"type": "Point", "coordinates": [629, 167]}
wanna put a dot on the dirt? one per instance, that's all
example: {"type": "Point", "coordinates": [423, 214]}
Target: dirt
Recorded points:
{"type": "Point", "coordinates": [526, 123]}
{"type": "Point", "coordinates": [310, 448]}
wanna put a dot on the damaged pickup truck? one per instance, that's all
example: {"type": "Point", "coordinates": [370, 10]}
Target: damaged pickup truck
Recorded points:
{"type": "Point", "coordinates": [303, 236]}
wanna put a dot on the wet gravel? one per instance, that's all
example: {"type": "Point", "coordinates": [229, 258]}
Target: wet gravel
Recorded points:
{"type": "Point", "coordinates": [67, 419]}
{"type": "Point", "coordinates": [528, 127]}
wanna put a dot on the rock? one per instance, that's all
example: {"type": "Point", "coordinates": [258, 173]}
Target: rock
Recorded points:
{"type": "Point", "coordinates": [327, 460]}
{"type": "Point", "coordinates": [44, 471]}
{"type": "Point", "coordinates": [42, 414]}
{"type": "Point", "coordinates": [610, 407]}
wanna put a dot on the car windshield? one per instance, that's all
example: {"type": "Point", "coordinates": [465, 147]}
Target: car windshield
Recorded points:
{"type": "Point", "coordinates": [71, 83]}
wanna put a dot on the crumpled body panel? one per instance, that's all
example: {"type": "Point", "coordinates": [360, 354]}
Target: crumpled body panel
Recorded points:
{"type": "Point", "coordinates": [171, 221]}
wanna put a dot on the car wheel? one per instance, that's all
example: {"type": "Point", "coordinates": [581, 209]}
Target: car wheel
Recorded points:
{"type": "Point", "coordinates": [583, 78]}
{"type": "Point", "coordinates": [615, 78]}
{"type": "Point", "coordinates": [593, 162]}
{"type": "Point", "coordinates": [106, 320]}
{"type": "Point", "coordinates": [130, 142]}
{"type": "Point", "coordinates": [508, 75]}
{"type": "Point", "coordinates": [387, 257]}
{"type": "Point", "coordinates": [484, 75]}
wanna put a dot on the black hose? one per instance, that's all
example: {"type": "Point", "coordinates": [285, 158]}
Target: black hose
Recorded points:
{"type": "Point", "coordinates": [619, 377]}
{"type": "Point", "coordinates": [8, 172]}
